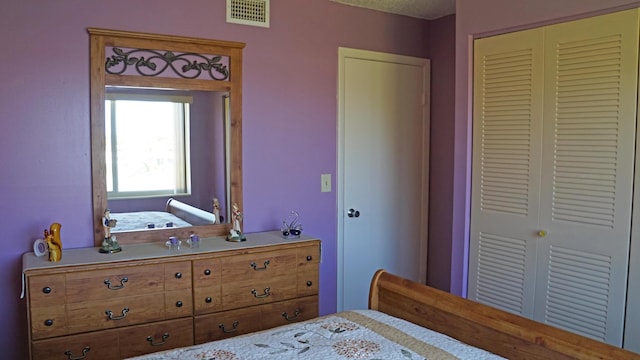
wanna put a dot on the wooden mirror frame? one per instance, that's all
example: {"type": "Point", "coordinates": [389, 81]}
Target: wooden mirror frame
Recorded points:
{"type": "Point", "coordinates": [100, 39]}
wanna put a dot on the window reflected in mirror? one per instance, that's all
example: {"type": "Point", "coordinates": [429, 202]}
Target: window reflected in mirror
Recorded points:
{"type": "Point", "coordinates": [147, 147]}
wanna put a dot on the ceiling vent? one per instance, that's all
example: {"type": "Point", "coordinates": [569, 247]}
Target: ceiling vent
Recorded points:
{"type": "Point", "coordinates": [248, 12]}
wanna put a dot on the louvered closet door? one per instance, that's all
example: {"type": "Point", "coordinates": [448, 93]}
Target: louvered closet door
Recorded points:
{"type": "Point", "coordinates": [507, 128]}
{"type": "Point", "coordinates": [588, 158]}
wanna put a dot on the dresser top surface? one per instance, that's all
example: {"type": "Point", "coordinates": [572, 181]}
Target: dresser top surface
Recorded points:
{"type": "Point", "coordinates": [156, 250]}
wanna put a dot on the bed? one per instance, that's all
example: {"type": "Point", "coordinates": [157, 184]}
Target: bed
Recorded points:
{"type": "Point", "coordinates": [176, 214]}
{"type": "Point", "coordinates": [406, 320]}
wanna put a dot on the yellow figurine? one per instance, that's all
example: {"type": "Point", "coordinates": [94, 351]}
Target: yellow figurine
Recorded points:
{"type": "Point", "coordinates": [52, 238]}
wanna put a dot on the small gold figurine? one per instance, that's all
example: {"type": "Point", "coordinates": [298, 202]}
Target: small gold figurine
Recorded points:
{"type": "Point", "coordinates": [52, 238]}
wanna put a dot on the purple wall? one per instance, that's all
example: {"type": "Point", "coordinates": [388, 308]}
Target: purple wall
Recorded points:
{"type": "Point", "coordinates": [289, 116]}
{"type": "Point", "coordinates": [442, 55]}
{"type": "Point", "coordinates": [474, 18]}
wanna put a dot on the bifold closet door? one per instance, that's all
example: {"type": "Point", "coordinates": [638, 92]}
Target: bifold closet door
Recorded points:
{"type": "Point", "coordinates": [591, 72]}
{"type": "Point", "coordinates": [507, 130]}
{"type": "Point", "coordinates": [552, 174]}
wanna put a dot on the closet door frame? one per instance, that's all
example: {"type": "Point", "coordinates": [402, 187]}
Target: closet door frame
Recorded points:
{"type": "Point", "coordinates": [631, 339]}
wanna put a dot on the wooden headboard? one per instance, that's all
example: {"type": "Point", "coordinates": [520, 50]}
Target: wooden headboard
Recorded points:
{"type": "Point", "coordinates": [497, 331]}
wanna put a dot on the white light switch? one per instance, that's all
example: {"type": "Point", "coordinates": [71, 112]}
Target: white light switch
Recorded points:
{"type": "Point", "coordinates": [325, 182]}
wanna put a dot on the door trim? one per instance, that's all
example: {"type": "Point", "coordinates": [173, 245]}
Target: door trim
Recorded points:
{"type": "Point", "coordinates": [350, 53]}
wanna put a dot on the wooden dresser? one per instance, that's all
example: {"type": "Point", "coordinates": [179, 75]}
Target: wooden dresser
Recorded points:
{"type": "Point", "coordinates": [145, 299]}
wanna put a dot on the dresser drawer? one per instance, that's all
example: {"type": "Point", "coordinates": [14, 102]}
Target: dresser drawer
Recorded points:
{"type": "Point", "coordinates": [114, 283]}
{"type": "Point", "coordinates": [94, 346]}
{"type": "Point", "coordinates": [164, 335]}
{"type": "Point", "coordinates": [178, 303]}
{"type": "Point", "coordinates": [207, 300]}
{"type": "Point", "coordinates": [48, 321]}
{"type": "Point", "coordinates": [258, 266]}
{"type": "Point", "coordinates": [177, 275]}
{"type": "Point", "coordinates": [116, 312]}
{"type": "Point", "coordinates": [259, 291]}
{"type": "Point", "coordinates": [226, 324]}
{"type": "Point", "coordinates": [206, 273]}
{"type": "Point", "coordinates": [45, 290]}
{"type": "Point", "coordinates": [117, 344]}
{"type": "Point", "coordinates": [308, 256]}
{"type": "Point", "coordinates": [286, 312]}
{"type": "Point", "coordinates": [308, 281]}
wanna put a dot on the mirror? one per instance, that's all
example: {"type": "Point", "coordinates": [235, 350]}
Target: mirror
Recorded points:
{"type": "Point", "coordinates": [205, 75]}
{"type": "Point", "coordinates": [165, 157]}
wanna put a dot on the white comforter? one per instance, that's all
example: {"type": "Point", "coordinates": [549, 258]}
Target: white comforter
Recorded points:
{"type": "Point", "coordinates": [364, 334]}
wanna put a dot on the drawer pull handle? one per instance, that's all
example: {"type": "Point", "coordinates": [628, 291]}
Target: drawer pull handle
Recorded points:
{"type": "Point", "coordinates": [256, 268]}
{"type": "Point", "coordinates": [295, 315]}
{"type": "Point", "coordinates": [207, 272]}
{"type": "Point", "coordinates": [179, 304]}
{"type": "Point", "coordinates": [111, 317]}
{"type": "Point", "coordinates": [208, 300]}
{"type": "Point", "coordinates": [165, 336]}
{"type": "Point", "coordinates": [309, 283]}
{"type": "Point", "coordinates": [48, 322]}
{"type": "Point", "coordinates": [178, 275]}
{"type": "Point", "coordinates": [84, 354]}
{"type": "Point", "coordinates": [267, 292]}
{"type": "Point", "coordinates": [117, 287]}
{"type": "Point", "coordinates": [309, 257]}
{"type": "Point", "coordinates": [46, 290]}
{"type": "Point", "coordinates": [233, 329]}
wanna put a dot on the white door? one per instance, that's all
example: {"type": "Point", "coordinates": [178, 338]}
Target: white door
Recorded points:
{"type": "Point", "coordinates": [505, 186]}
{"type": "Point", "coordinates": [591, 69]}
{"type": "Point", "coordinates": [383, 170]}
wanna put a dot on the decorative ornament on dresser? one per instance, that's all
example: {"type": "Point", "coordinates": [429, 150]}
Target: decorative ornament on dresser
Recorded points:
{"type": "Point", "coordinates": [291, 228]}
{"type": "Point", "coordinates": [235, 234]}
{"type": "Point", "coordinates": [54, 243]}
{"type": "Point", "coordinates": [216, 211]}
{"type": "Point", "coordinates": [110, 243]}
{"type": "Point", "coordinates": [40, 247]}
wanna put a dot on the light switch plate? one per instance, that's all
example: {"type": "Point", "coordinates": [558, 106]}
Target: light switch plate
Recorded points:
{"type": "Point", "coordinates": [325, 182]}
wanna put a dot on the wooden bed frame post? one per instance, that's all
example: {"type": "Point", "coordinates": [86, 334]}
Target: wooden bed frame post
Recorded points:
{"type": "Point", "coordinates": [497, 331]}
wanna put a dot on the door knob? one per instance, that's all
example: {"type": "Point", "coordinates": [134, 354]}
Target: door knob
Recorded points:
{"type": "Point", "coordinates": [542, 233]}
{"type": "Point", "coordinates": [353, 213]}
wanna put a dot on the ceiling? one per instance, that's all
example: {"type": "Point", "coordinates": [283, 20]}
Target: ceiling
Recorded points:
{"type": "Point", "coordinates": [424, 9]}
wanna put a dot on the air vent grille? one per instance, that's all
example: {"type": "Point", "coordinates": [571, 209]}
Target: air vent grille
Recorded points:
{"type": "Point", "coordinates": [248, 12]}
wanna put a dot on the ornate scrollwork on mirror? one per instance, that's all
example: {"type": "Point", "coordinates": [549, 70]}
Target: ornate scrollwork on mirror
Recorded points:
{"type": "Point", "coordinates": [143, 65]}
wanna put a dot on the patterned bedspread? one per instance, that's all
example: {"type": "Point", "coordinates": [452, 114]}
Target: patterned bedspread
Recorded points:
{"type": "Point", "coordinates": [363, 334]}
